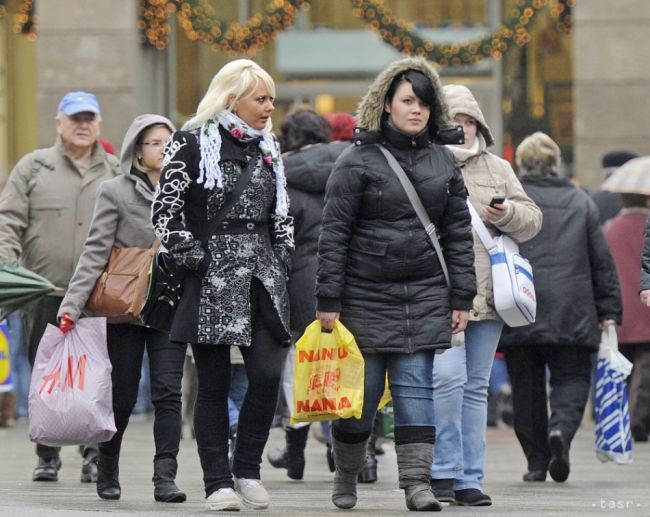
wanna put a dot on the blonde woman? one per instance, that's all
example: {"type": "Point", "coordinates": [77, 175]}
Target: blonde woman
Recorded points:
{"type": "Point", "coordinates": [234, 291]}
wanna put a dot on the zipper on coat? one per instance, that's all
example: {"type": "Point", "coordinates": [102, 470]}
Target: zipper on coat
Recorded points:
{"type": "Point", "coordinates": [408, 320]}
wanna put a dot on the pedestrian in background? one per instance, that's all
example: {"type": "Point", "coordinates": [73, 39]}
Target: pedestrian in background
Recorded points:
{"type": "Point", "coordinates": [122, 219]}
{"type": "Point", "coordinates": [45, 211]}
{"type": "Point", "coordinates": [378, 270]}
{"type": "Point", "coordinates": [308, 158]}
{"type": "Point", "coordinates": [609, 203]}
{"type": "Point", "coordinates": [461, 375]}
{"type": "Point", "coordinates": [577, 291]}
{"type": "Point", "coordinates": [234, 291]}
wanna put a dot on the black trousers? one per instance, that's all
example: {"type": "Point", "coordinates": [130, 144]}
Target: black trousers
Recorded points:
{"type": "Point", "coordinates": [263, 360]}
{"type": "Point", "coordinates": [126, 345]}
{"type": "Point", "coordinates": [35, 320]}
{"type": "Point", "coordinates": [570, 379]}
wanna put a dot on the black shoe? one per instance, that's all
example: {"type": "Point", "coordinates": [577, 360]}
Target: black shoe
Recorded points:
{"type": "Point", "coordinates": [164, 474]}
{"type": "Point", "coordinates": [47, 469]}
{"type": "Point", "coordinates": [558, 468]}
{"type": "Point", "coordinates": [89, 466]}
{"type": "Point", "coordinates": [443, 489]}
{"type": "Point", "coordinates": [639, 434]}
{"type": "Point", "coordinates": [535, 475]}
{"type": "Point", "coordinates": [471, 497]}
{"type": "Point", "coordinates": [108, 472]}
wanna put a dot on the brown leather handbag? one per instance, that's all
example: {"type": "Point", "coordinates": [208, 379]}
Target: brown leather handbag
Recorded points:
{"type": "Point", "coordinates": [121, 291]}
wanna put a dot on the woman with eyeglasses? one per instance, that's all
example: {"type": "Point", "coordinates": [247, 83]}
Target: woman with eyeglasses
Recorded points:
{"type": "Point", "coordinates": [122, 220]}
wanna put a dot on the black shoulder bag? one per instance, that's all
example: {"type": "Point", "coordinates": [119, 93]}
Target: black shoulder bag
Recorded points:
{"type": "Point", "coordinates": [165, 285]}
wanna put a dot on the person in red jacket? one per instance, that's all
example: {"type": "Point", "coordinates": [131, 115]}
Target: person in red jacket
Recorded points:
{"type": "Point", "coordinates": [624, 235]}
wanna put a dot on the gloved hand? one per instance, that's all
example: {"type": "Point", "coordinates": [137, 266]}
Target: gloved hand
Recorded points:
{"type": "Point", "coordinates": [66, 323]}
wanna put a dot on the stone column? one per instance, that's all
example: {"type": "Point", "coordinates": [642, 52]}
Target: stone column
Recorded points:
{"type": "Point", "coordinates": [93, 45]}
{"type": "Point", "coordinates": [611, 82]}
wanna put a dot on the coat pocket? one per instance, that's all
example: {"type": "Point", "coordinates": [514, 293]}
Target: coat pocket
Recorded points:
{"type": "Point", "coordinates": [366, 257]}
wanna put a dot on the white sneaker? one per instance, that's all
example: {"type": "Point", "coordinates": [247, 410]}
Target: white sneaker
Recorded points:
{"type": "Point", "coordinates": [252, 493]}
{"type": "Point", "coordinates": [225, 499]}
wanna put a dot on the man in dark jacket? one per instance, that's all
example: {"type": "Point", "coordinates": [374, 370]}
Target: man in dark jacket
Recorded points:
{"type": "Point", "coordinates": [577, 289]}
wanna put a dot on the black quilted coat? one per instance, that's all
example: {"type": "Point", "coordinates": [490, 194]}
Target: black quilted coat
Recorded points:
{"type": "Point", "coordinates": [376, 264]}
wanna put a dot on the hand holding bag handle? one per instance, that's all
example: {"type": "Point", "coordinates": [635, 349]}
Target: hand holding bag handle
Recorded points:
{"type": "Point", "coordinates": [421, 212]}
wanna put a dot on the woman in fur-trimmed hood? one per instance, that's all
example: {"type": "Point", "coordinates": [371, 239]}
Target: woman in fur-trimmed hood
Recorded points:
{"type": "Point", "coordinates": [378, 270]}
{"type": "Point", "coordinates": [461, 375]}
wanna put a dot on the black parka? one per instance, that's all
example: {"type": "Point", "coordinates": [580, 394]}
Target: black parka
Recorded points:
{"type": "Point", "coordinates": [575, 277]}
{"type": "Point", "coordinates": [307, 170]}
{"type": "Point", "coordinates": [376, 264]}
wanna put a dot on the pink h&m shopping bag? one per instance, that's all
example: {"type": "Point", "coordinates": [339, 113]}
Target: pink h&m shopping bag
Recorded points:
{"type": "Point", "coordinates": [70, 395]}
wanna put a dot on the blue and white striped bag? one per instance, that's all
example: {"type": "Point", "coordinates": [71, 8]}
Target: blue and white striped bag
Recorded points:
{"type": "Point", "coordinates": [613, 437]}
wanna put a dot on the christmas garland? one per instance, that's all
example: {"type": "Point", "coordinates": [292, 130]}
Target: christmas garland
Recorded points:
{"type": "Point", "coordinates": [198, 21]}
{"type": "Point", "coordinates": [400, 34]}
{"type": "Point", "coordinates": [24, 19]}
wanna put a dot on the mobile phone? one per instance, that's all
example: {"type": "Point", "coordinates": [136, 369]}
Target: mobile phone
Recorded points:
{"type": "Point", "coordinates": [497, 200]}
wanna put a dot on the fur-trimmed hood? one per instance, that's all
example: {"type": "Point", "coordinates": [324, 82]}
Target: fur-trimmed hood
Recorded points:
{"type": "Point", "coordinates": [371, 107]}
{"type": "Point", "coordinates": [460, 100]}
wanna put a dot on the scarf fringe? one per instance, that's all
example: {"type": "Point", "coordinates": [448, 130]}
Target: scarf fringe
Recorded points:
{"type": "Point", "coordinates": [210, 174]}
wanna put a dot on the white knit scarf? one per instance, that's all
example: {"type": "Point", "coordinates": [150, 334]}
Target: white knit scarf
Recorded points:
{"type": "Point", "coordinates": [210, 142]}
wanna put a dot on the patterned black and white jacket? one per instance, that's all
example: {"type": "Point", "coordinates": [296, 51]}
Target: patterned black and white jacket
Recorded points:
{"type": "Point", "coordinates": [252, 242]}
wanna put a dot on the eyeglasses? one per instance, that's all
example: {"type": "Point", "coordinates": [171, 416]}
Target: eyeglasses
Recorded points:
{"type": "Point", "coordinates": [155, 144]}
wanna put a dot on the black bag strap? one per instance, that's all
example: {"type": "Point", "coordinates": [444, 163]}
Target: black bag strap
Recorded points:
{"type": "Point", "coordinates": [421, 212]}
{"type": "Point", "coordinates": [234, 196]}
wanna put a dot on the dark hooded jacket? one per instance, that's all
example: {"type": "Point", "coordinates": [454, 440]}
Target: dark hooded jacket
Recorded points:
{"type": "Point", "coordinates": [307, 170]}
{"type": "Point", "coordinates": [122, 219]}
{"type": "Point", "coordinates": [376, 264]}
{"type": "Point", "coordinates": [575, 276]}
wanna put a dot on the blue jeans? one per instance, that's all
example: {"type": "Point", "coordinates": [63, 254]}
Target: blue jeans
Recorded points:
{"type": "Point", "coordinates": [237, 392]}
{"type": "Point", "coordinates": [460, 380]}
{"type": "Point", "coordinates": [410, 377]}
{"type": "Point", "coordinates": [20, 370]}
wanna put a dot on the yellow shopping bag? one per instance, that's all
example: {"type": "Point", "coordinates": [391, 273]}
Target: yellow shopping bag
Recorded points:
{"type": "Point", "coordinates": [329, 375]}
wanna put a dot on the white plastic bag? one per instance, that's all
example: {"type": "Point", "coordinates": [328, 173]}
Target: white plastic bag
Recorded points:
{"type": "Point", "coordinates": [613, 436]}
{"type": "Point", "coordinates": [70, 394]}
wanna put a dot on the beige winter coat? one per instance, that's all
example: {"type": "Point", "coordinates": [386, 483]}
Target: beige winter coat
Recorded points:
{"type": "Point", "coordinates": [486, 175]}
{"type": "Point", "coordinates": [46, 208]}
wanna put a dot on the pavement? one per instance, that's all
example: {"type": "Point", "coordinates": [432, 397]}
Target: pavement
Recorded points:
{"type": "Point", "coordinates": [593, 488]}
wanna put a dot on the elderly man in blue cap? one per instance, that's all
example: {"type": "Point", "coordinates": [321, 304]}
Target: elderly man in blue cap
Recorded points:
{"type": "Point", "coordinates": [45, 210]}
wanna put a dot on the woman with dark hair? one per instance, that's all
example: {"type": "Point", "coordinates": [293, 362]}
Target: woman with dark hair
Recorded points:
{"type": "Point", "coordinates": [378, 270]}
{"type": "Point", "coordinates": [308, 159]}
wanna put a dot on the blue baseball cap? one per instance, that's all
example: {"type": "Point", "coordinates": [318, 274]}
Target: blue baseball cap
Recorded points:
{"type": "Point", "coordinates": [77, 102]}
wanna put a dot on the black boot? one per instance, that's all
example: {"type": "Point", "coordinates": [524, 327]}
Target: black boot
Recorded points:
{"type": "Point", "coordinates": [165, 490]}
{"type": "Point", "coordinates": [296, 442]}
{"type": "Point", "coordinates": [292, 457]}
{"type": "Point", "coordinates": [369, 472]}
{"type": "Point", "coordinates": [108, 484]}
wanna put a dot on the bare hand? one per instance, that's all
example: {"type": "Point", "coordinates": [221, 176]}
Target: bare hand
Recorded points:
{"type": "Point", "coordinates": [645, 297]}
{"type": "Point", "coordinates": [605, 324]}
{"type": "Point", "coordinates": [496, 212]}
{"type": "Point", "coordinates": [327, 319]}
{"type": "Point", "coordinates": [459, 321]}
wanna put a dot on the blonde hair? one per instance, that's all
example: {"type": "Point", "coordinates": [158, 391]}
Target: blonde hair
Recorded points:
{"type": "Point", "coordinates": [235, 80]}
{"type": "Point", "coordinates": [538, 155]}
{"type": "Point", "coordinates": [138, 143]}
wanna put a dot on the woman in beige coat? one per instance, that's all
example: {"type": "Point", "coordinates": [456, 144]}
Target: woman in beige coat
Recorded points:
{"type": "Point", "coordinates": [461, 374]}
{"type": "Point", "coordinates": [122, 220]}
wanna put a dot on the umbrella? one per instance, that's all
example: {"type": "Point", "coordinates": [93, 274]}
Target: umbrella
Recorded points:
{"type": "Point", "coordinates": [613, 437]}
{"type": "Point", "coordinates": [633, 177]}
{"type": "Point", "coordinates": [19, 286]}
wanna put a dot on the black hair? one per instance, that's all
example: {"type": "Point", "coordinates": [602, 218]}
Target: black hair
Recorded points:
{"type": "Point", "coordinates": [633, 200]}
{"type": "Point", "coordinates": [424, 90]}
{"type": "Point", "coordinates": [303, 127]}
